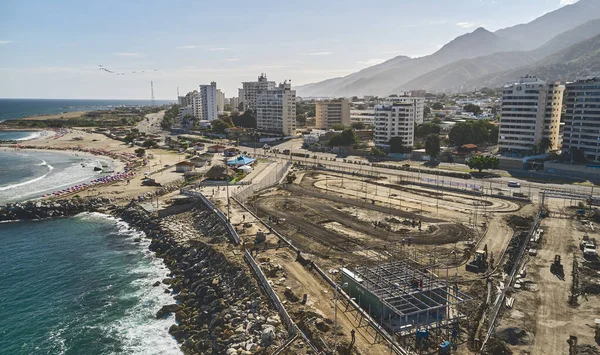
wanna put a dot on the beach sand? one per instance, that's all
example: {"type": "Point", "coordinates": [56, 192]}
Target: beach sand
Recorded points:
{"type": "Point", "coordinates": [80, 139]}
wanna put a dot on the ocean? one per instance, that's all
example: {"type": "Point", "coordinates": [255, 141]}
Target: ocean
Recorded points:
{"type": "Point", "coordinates": [11, 109]}
{"type": "Point", "coordinates": [80, 285]}
{"type": "Point", "coordinates": [30, 174]}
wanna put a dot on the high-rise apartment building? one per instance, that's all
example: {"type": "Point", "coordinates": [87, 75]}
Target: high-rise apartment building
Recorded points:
{"type": "Point", "coordinates": [251, 89]}
{"type": "Point", "coordinates": [395, 119]}
{"type": "Point", "coordinates": [234, 102]}
{"type": "Point", "coordinates": [208, 102]}
{"type": "Point", "coordinates": [276, 110]}
{"type": "Point", "coordinates": [582, 118]}
{"type": "Point", "coordinates": [220, 100]}
{"type": "Point", "coordinates": [530, 112]}
{"type": "Point", "coordinates": [332, 112]}
{"type": "Point", "coordinates": [419, 104]}
{"type": "Point", "coordinates": [240, 96]}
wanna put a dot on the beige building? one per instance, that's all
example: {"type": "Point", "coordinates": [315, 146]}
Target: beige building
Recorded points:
{"type": "Point", "coordinates": [530, 112]}
{"type": "Point", "coordinates": [332, 112]}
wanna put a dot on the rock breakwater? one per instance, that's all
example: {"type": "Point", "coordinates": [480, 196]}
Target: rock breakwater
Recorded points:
{"type": "Point", "coordinates": [220, 308]}
{"type": "Point", "coordinates": [33, 210]}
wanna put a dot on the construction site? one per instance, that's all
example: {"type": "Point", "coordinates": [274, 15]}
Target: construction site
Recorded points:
{"type": "Point", "coordinates": [377, 264]}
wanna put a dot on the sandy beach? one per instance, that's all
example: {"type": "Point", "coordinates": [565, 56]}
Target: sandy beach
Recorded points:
{"type": "Point", "coordinates": [74, 142]}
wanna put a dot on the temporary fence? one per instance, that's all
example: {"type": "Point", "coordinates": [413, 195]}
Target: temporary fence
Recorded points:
{"type": "Point", "coordinates": [272, 179]}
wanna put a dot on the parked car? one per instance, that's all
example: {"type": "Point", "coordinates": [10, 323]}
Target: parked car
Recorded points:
{"type": "Point", "coordinates": [514, 184]}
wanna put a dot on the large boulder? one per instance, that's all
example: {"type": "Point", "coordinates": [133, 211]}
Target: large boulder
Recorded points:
{"type": "Point", "coordinates": [168, 309]}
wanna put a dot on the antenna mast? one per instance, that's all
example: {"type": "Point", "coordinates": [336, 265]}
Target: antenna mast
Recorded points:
{"type": "Point", "coordinates": [153, 101]}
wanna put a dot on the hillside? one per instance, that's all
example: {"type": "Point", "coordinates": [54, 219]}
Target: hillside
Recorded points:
{"type": "Point", "coordinates": [454, 76]}
{"type": "Point", "coordinates": [477, 54]}
{"type": "Point", "coordinates": [539, 31]}
{"type": "Point", "coordinates": [381, 79]}
{"type": "Point", "coordinates": [579, 61]}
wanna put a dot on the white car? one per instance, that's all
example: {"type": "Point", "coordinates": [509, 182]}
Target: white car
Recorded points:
{"type": "Point", "coordinates": [514, 184]}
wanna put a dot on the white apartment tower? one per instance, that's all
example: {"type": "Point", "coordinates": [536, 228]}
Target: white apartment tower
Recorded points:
{"type": "Point", "coordinates": [530, 111]}
{"type": "Point", "coordinates": [419, 104]}
{"type": "Point", "coordinates": [208, 102]}
{"type": "Point", "coordinates": [332, 112]}
{"type": "Point", "coordinates": [251, 89]}
{"type": "Point", "coordinates": [220, 100]}
{"type": "Point", "coordinates": [395, 119]}
{"type": "Point", "coordinates": [582, 118]}
{"type": "Point", "coordinates": [276, 110]}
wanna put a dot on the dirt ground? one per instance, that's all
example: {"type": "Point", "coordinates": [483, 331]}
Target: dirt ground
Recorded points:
{"type": "Point", "coordinates": [542, 309]}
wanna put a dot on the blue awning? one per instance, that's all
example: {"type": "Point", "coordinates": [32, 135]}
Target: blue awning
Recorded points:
{"type": "Point", "coordinates": [241, 160]}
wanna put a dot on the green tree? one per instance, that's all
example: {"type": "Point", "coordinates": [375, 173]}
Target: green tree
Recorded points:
{"type": "Point", "coordinates": [358, 125]}
{"type": "Point", "coordinates": [494, 132]}
{"type": "Point", "coordinates": [338, 127]}
{"type": "Point", "coordinates": [219, 126]}
{"type": "Point", "coordinates": [437, 106]}
{"type": "Point", "coordinates": [150, 143]}
{"type": "Point", "coordinates": [577, 155]}
{"type": "Point", "coordinates": [432, 145]}
{"type": "Point", "coordinates": [545, 145]}
{"type": "Point", "coordinates": [426, 129]}
{"type": "Point", "coordinates": [473, 131]}
{"type": "Point", "coordinates": [396, 145]}
{"type": "Point", "coordinates": [140, 152]}
{"type": "Point", "coordinates": [475, 109]}
{"type": "Point", "coordinates": [247, 120]}
{"type": "Point", "coordinates": [227, 107]}
{"type": "Point", "coordinates": [129, 138]}
{"type": "Point", "coordinates": [346, 138]}
{"type": "Point", "coordinates": [427, 111]}
{"type": "Point", "coordinates": [481, 162]}
{"type": "Point", "coordinates": [377, 152]}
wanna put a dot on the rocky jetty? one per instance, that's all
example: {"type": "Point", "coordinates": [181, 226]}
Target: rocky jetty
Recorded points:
{"type": "Point", "coordinates": [220, 308]}
{"type": "Point", "coordinates": [47, 209]}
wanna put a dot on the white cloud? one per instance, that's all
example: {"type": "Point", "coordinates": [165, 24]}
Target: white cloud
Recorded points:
{"type": "Point", "coordinates": [186, 47]}
{"type": "Point", "coordinates": [232, 59]}
{"type": "Point", "coordinates": [467, 24]}
{"type": "Point", "coordinates": [217, 49]}
{"type": "Point", "coordinates": [372, 61]}
{"type": "Point", "coordinates": [128, 54]}
{"type": "Point", "coordinates": [5, 42]}
{"type": "Point", "coordinates": [319, 53]}
{"type": "Point", "coordinates": [567, 2]}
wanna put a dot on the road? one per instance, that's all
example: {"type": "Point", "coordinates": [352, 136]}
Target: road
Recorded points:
{"type": "Point", "coordinates": [151, 125]}
{"type": "Point", "coordinates": [495, 184]}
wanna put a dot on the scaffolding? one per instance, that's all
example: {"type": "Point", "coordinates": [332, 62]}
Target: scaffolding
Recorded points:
{"type": "Point", "coordinates": [406, 297]}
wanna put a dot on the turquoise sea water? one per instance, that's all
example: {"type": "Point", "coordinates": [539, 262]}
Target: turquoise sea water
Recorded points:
{"type": "Point", "coordinates": [27, 174]}
{"type": "Point", "coordinates": [11, 109]}
{"type": "Point", "coordinates": [80, 285]}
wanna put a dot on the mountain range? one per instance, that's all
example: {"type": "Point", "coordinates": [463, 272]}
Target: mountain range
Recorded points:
{"type": "Point", "coordinates": [484, 58]}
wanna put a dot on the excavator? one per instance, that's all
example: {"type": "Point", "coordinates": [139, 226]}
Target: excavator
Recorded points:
{"type": "Point", "coordinates": [480, 263]}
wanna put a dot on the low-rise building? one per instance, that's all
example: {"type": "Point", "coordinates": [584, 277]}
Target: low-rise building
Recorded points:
{"type": "Point", "coordinates": [366, 117]}
{"type": "Point", "coordinates": [184, 167]}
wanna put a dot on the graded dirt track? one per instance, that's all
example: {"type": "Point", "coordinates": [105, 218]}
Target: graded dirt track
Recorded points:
{"type": "Point", "coordinates": [309, 214]}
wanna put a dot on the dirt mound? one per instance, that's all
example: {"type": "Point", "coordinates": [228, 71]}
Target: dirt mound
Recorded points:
{"type": "Point", "coordinates": [515, 336]}
{"type": "Point", "coordinates": [587, 350]}
{"type": "Point", "coordinates": [519, 221]}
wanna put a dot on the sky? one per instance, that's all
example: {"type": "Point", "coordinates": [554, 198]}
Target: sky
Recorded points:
{"type": "Point", "coordinates": [53, 49]}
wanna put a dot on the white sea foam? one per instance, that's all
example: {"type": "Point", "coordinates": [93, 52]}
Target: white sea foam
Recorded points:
{"type": "Point", "coordinates": [139, 330]}
{"type": "Point", "coordinates": [43, 163]}
{"type": "Point", "coordinates": [33, 135]}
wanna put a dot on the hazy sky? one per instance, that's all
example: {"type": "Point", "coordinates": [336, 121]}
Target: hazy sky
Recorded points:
{"type": "Point", "coordinates": [52, 49]}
